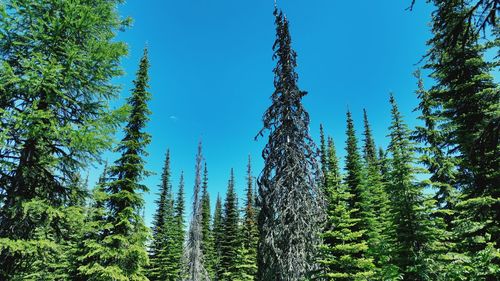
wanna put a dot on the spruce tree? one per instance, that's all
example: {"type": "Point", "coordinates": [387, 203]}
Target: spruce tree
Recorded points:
{"type": "Point", "coordinates": [369, 148]}
{"type": "Point", "coordinates": [163, 228]}
{"type": "Point", "coordinates": [54, 121]}
{"type": "Point", "coordinates": [354, 180]}
{"type": "Point", "coordinates": [342, 255]}
{"type": "Point", "coordinates": [323, 151]}
{"type": "Point", "coordinates": [195, 267]}
{"type": "Point", "coordinates": [175, 260]}
{"type": "Point", "coordinates": [289, 191]}
{"type": "Point", "coordinates": [124, 255]}
{"type": "Point", "coordinates": [435, 154]}
{"type": "Point", "coordinates": [380, 231]}
{"type": "Point", "coordinates": [207, 243]}
{"type": "Point", "coordinates": [414, 232]}
{"type": "Point", "coordinates": [231, 241]}
{"type": "Point", "coordinates": [218, 231]}
{"type": "Point", "coordinates": [468, 99]}
{"type": "Point", "coordinates": [250, 233]}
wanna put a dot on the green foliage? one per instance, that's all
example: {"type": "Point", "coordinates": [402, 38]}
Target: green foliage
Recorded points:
{"type": "Point", "coordinates": [230, 242]}
{"type": "Point", "coordinates": [342, 255]}
{"type": "Point", "coordinates": [123, 255]}
{"type": "Point", "coordinates": [58, 59]}
{"type": "Point", "coordinates": [415, 231]}
{"type": "Point", "coordinates": [175, 262]}
{"type": "Point", "coordinates": [247, 254]}
{"type": "Point", "coordinates": [467, 98]}
{"type": "Point", "coordinates": [380, 231]}
{"type": "Point", "coordinates": [207, 242]}
{"type": "Point", "coordinates": [162, 245]}
{"type": "Point", "coordinates": [218, 231]}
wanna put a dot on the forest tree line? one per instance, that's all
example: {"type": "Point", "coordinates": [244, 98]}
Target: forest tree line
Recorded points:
{"type": "Point", "coordinates": [305, 217]}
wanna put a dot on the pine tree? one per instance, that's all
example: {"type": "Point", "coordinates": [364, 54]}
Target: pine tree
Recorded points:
{"type": "Point", "coordinates": [250, 233]}
{"type": "Point", "coordinates": [54, 121]}
{"type": "Point", "coordinates": [289, 191]}
{"type": "Point", "coordinates": [207, 243]}
{"type": "Point", "coordinates": [163, 227]}
{"type": "Point", "coordinates": [195, 268]}
{"type": "Point", "coordinates": [414, 233]}
{"type": "Point", "coordinates": [342, 254]}
{"type": "Point", "coordinates": [230, 243]}
{"type": "Point", "coordinates": [218, 231]}
{"type": "Point", "coordinates": [467, 97]}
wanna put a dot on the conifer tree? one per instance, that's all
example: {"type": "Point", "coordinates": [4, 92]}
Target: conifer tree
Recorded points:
{"type": "Point", "coordinates": [354, 180]}
{"type": "Point", "coordinates": [207, 243]}
{"type": "Point", "coordinates": [250, 233]}
{"type": "Point", "coordinates": [195, 267]}
{"type": "Point", "coordinates": [54, 122]}
{"type": "Point", "coordinates": [124, 255]}
{"type": "Point", "coordinates": [323, 151]}
{"type": "Point", "coordinates": [163, 228]}
{"type": "Point", "coordinates": [435, 154]}
{"type": "Point", "coordinates": [343, 252]}
{"type": "Point", "coordinates": [218, 231]}
{"type": "Point", "coordinates": [414, 232]}
{"type": "Point", "coordinates": [230, 243]}
{"type": "Point", "coordinates": [380, 230]}
{"type": "Point", "coordinates": [468, 99]}
{"type": "Point", "coordinates": [289, 191]}
{"type": "Point", "coordinates": [369, 148]}
{"type": "Point", "coordinates": [175, 261]}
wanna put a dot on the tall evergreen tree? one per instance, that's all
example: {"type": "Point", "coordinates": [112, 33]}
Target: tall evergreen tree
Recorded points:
{"type": "Point", "coordinates": [250, 231]}
{"type": "Point", "coordinates": [218, 231]}
{"type": "Point", "coordinates": [175, 261]}
{"type": "Point", "coordinates": [354, 180]}
{"type": "Point", "coordinates": [380, 230]}
{"type": "Point", "coordinates": [323, 151]}
{"type": "Point", "coordinates": [410, 213]}
{"type": "Point", "coordinates": [230, 243]}
{"type": "Point", "coordinates": [467, 97]}
{"type": "Point", "coordinates": [54, 121]}
{"type": "Point", "coordinates": [343, 252]}
{"type": "Point", "coordinates": [163, 227]}
{"type": "Point", "coordinates": [195, 268]}
{"type": "Point", "coordinates": [289, 193]}
{"type": "Point", "coordinates": [124, 255]}
{"type": "Point", "coordinates": [369, 148]}
{"type": "Point", "coordinates": [207, 242]}
{"type": "Point", "coordinates": [435, 154]}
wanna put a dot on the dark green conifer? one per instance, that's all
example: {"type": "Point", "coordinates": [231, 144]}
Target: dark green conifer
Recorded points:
{"type": "Point", "coordinates": [175, 261]}
{"type": "Point", "coordinates": [207, 243]}
{"type": "Point", "coordinates": [467, 97]}
{"type": "Point", "coordinates": [414, 232]}
{"type": "Point", "coordinates": [250, 233]}
{"type": "Point", "coordinates": [163, 229]}
{"type": "Point", "coordinates": [231, 241]}
{"type": "Point", "coordinates": [218, 231]}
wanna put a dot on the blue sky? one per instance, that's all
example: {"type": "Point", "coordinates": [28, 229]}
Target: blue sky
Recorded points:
{"type": "Point", "coordinates": [211, 75]}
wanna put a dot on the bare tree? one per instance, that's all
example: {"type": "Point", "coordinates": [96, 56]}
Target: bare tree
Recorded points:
{"type": "Point", "coordinates": [195, 271]}
{"type": "Point", "coordinates": [289, 194]}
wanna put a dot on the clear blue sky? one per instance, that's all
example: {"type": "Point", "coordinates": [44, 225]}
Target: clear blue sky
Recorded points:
{"type": "Point", "coordinates": [211, 75]}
